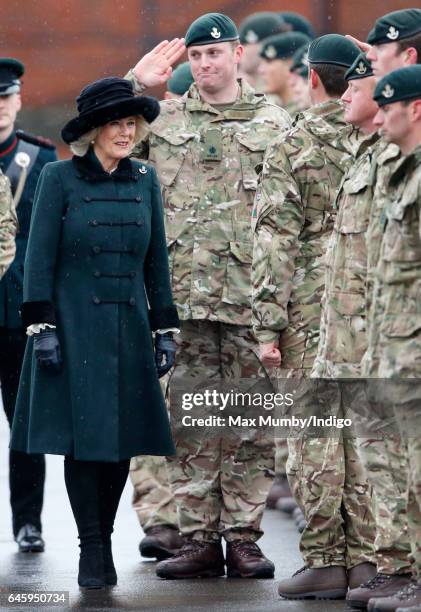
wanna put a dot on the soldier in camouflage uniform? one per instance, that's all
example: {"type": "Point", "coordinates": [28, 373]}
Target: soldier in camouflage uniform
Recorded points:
{"type": "Point", "coordinates": [207, 149]}
{"type": "Point", "coordinates": [294, 215]}
{"type": "Point", "coordinates": [8, 225]}
{"type": "Point", "coordinates": [394, 314]}
{"type": "Point", "coordinates": [277, 53]}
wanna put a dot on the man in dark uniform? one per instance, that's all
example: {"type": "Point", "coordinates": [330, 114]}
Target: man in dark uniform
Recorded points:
{"type": "Point", "coordinates": [22, 158]}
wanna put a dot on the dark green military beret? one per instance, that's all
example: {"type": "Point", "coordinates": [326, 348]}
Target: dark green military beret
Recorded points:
{"type": "Point", "coordinates": [298, 23]}
{"type": "Point", "coordinates": [300, 61]}
{"type": "Point", "coordinates": [180, 80]}
{"type": "Point", "coordinates": [400, 84]}
{"type": "Point", "coordinates": [211, 28]}
{"type": "Point", "coordinates": [258, 26]}
{"type": "Point", "coordinates": [333, 49]}
{"type": "Point", "coordinates": [283, 46]}
{"type": "Point", "coordinates": [10, 72]}
{"type": "Point", "coordinates": [395, 26]}
{"type": "Point", "coordinates": [360, 69]}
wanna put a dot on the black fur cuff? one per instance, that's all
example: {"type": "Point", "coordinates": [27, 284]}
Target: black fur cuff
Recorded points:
{"type": "Point", "coordinates": [37, 312]}
{"type": "Point", "coordinates": [161, 319]}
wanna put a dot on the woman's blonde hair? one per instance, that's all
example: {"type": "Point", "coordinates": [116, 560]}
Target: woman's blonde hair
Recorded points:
{"type": "Point", "coordinates": [80, 146]}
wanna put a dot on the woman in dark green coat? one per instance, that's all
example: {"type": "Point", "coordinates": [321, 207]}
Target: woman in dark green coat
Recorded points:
{"type": "Point", "coordinates": [96, 284]}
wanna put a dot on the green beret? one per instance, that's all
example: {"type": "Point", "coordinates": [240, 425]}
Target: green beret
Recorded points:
{"type": "Point", "coordinates": [300, 61]}
{"type": "Point", "coordinates": [298, 23]}
{"type": "Point", "coordinates": [211, 28]}
{"type": "Point", "coordinates": [258, 26]}
{"type": "Point", "coordinates": [360, 69]}
{"type": "Point", "coordinates": [395, 26]}
{"type": "Point", "coordinates": [400, 84]}
{"type": "Point", "coordinates": [333, 49]}
{"type": "Point", "coordinates": [283, 46]}
{"type": "Point", "coordinates": [180, 80]}
{"type": "Point", "coordinates": [10, 72]}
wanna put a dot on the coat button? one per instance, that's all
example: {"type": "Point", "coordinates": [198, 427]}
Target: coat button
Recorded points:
{"type": "Point", "coordinates": [132, 302]}
{"type": "Point", "coordinates": [87, 199]}
{"type": "Point", "coordinates": [96, 300]}
{"type": "Point", "coordinates": [138, 198]}
{"type": "Point", "coordinates": [94, 222]}
{"type": "Point", "coordinates": [97, 274]}
{"type": "Point", "coordinates": [96, 250]}
{"type": "Point", "coordinates": [139, 223]}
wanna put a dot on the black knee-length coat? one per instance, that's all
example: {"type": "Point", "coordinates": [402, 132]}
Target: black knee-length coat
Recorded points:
{"type": "Point", "coordinates": [97, 268]}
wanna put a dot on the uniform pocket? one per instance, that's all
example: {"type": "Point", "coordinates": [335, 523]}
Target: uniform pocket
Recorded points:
{"type": "Point", "coordinates": [402, 326]}
{"type": "Point", "coordinates": [252, 150]}
{"type": "Point", "coordinates": [167, 151]}
{"type": "Point", "coordinates": [237, 286]}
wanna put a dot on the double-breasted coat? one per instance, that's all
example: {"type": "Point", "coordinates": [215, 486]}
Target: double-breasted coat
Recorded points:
{"type": "Point", "coordinates": [97, 268]}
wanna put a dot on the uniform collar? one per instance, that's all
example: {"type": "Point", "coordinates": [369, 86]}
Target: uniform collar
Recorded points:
{"type": "Point", "coordinates": [91, 169]}
{"type": "Point", "coordinates": [246, 100]}
{"type": "Point", "coordinates": [9, 144]}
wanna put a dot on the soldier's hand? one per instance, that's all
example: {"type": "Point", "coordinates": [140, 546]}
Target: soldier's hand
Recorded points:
{"type": "Point", "coordinates": [47, 350]}
{"type": "Point", "coordinates": [270, 355]}
{"type": "Point", "coordinates": [362, 45]}
{"type": "Point", "coordinates": [165, 349]}
{"type": "Point", "coordinates": [155, 67]}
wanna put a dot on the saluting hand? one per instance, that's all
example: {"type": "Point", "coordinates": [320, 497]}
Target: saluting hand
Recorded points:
{"type": "Point", "coordinates": [155, 67]}
{"type": "Point", "coordinates": [365, 47]}
{"type": "Point", "coordinates": [47, 350]}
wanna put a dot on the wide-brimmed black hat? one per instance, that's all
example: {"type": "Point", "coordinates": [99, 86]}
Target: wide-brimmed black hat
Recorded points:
{"type": "Point", "coordinates": [105, 100]}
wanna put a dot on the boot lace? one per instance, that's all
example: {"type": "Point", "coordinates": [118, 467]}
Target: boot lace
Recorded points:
{"type": "Point", "coordinates": [190, 548]}
{"type": "Point", "coordinates": [376, 581]}
{"type": "Point", "coordinates": [245, 548]}
{"type": "Point", "coordinates": [408, 592]}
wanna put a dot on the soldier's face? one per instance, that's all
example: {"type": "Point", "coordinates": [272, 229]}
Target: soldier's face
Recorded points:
{"type": "Point", "coordinates": [250, 61]}
{"type": "Point", "coordinates": [385, 58]}
{"type": "Point", "coordinates": [300, 91]}
{"type": "Point", "coordinates": [393, 122]}
{"type": "Point", "coordinates": [275, 74]}
{"type": "Point", "coordinates": [360, 108]}
{"type": "Point", "coordinates": [9, 108]}
{"type": "Point", "coordinates": [115, 139]}
{"type": "Point", "coordinates": [215, 66]}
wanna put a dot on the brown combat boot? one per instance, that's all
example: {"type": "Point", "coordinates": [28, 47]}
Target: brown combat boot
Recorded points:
{"type": "Point", "coordinates": [361, 574]}
{"type": "Point", "coordinates": [408, 597]}
{"type": "Point", "coordinates": [194, 560]}
{"type": "Point", "coordinates": [246, 560]}
{"type": "Point", "coordinates": [382, 585]}
{"type": "Point", "coordinates": [160, 542]}
{"type": "Point", "coordinates": [315, 583]}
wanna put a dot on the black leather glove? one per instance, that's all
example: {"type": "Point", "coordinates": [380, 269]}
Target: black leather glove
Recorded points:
{"type": "Point", "coordinates": [164, 347]}
{"type": "Point", "coordinates": [47, 350]}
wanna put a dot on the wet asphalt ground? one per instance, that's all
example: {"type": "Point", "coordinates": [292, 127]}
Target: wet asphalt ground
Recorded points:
{"type": "Point", "coordinates": [138, 587]}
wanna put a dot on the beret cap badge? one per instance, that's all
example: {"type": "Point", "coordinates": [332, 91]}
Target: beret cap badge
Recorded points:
{"type": "Point", "coordinates": [270, 52]}
{"type": "Point", "coordinates": [251, 37]}
{"type": "Point", "coordinates": [388, 91]}
{"type": "Point", "coordinates": [215, 33]}
{"type": "Point", "coordinates": [393, 33]}
{"type": "Point", "coordinates": [361, 68]}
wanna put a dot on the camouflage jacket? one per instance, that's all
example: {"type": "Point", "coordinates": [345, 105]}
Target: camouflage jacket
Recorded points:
{"type": "Point", "coordinates": [207, 162]}
{"type": "Point", "coordinates": [385, 160]}
{"type": "Point", "coordinates": [8, 225]}
{"type": "Point", "coordinates": [293, 216]}
{"type": "Point", "coordinates": [397, 320]}
{"type": "Point", "coordinates": [342, 327]}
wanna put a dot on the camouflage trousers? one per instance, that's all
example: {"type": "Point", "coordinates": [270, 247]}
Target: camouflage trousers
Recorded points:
{"type": "Point", "coordinates": [281, 456]}
{"type": "Point", "coordinates": [220, 479]}
{"type": "Point", "coordinates": [384, 456]}
{"type": "Point", "coordinates": [153, 500]}
{"type": "Point", "coordinates": [328, 481]}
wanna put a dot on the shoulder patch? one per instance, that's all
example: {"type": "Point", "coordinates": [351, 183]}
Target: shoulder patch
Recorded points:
{"type": "Point", "coordinates": [40, 141]}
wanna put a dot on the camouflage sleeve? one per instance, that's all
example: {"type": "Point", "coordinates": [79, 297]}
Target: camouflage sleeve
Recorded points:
{"type": "Point", "coordinates": [138, 87]}
{"type": "Point", "coordinates": [8, 225]}
{"type": "Point", "coordinates": [278, 221]}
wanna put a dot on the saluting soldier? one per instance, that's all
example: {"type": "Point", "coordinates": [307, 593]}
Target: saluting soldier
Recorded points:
{"type": "Point", "coordinates": [207, 149]}
{"type": "Point", "coordinates": [22, 157]}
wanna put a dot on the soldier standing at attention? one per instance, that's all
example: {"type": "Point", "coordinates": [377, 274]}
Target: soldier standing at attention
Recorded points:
{"type": "Point", "coordinates": [22, 158]}
{"type": "Point", "coordinates": [206, 149]}
{"type": "Point", "coordinates": [294, 216]}
{"type": "Point", "coordinates": [8, 225]}
{"type": "Point", "coordinates": [395, 348]}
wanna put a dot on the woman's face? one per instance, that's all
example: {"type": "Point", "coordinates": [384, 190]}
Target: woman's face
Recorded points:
{"type": "Point", "coordinates": [115, 139]}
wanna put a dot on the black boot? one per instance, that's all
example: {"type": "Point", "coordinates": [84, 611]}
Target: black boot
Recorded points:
{"type": "Point", "coordinates": [110, 574]}
{"type": "Point", "coordinates": [91, 567]}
